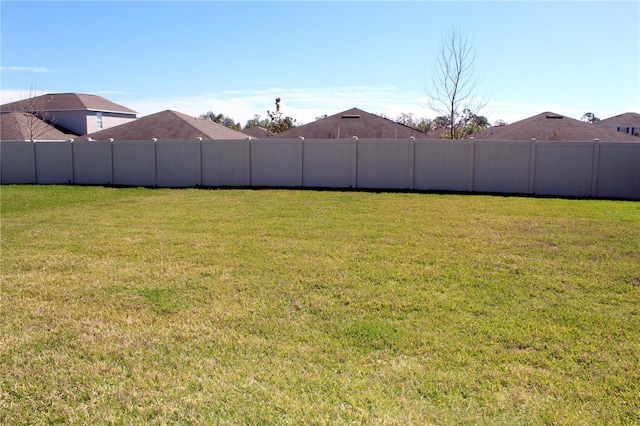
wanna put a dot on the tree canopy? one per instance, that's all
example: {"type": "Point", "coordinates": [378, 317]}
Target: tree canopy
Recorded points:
{"type": "Point", "coordinates": [222, 119]}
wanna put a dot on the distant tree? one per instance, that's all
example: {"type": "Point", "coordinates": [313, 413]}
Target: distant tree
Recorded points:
{"type": "Point", "coordinates": [256, 121]}
{"type": "Point", "coordinates": [222, 119]}
{"type": "Point", "coordinates": [321, 117]}
{"type": "Point", "coordinates": [454, 83]}
{"type": "Point", "coordinates": [499, 123]}
{"type": "Point", "coordinates": [279, 123]}
{"type": "Point", "coordinates": [590, 118]}
{"type": "Point", "coordinates": [421, 124]}
{"type": "Point", "coordinates": [442, 122]}
{"type": "Point", "coordinates": [471, 123]}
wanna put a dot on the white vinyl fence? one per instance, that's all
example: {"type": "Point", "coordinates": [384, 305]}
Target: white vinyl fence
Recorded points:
{"type": "Point", "coordinates": [576, 169]}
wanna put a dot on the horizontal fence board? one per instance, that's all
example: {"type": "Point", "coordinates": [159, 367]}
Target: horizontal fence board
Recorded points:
{"type": "Point", "coordinates": [329, 164]}
{"type": "Point", "coordinates": [92, 163]}
{"type": "Point", "coordinates": [54, 163]}
{"type": "Point", "coordinates": [579, 169]}
{"type": "Point", "coordinates": [18, 163]}
{"type": "Point", "coordinates": [442, 165]}
{"type": "Point", "coordinates": [134, 163]}
{"type": "Point", "coordinates": [276, 163]}
{"type": "Point", "coordinates": [226, 163]}
{"type": "Point", "coordinates": [563, 168]}
{"type": "Point", "coordinates": [178, 164]}
{"type": "Point", "coordinates": [501, 167]}
{"type": "Point", "coordinates": [619, 171]}
{"type": "Point", "coordinates": [384, 164]}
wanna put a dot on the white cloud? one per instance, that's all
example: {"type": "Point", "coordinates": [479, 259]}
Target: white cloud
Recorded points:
{"type": "Point", "coordinates": [303, 104]}
{"type": "Point", "coordinates": [25, 69]}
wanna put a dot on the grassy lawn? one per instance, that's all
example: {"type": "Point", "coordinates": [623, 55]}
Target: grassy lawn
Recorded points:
{"type": "Point", "coordinates": [139, 306]}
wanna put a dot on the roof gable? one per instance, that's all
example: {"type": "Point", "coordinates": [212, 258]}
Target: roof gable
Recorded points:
{"type": "Point", "coordinates": [549, 126]}
{"type": "Point", "coordinates": [350, 123]}
{"type": "Point", "coordinates": [626, 119]}
{"type": "Point", "coordinates": [167, 125]}
{"type": "Point", "coordinates": [68, 102]}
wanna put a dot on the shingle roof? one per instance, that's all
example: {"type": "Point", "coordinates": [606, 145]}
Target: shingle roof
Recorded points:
{"type": "Point", "coordinates": [549, 126]}
{"type": "Point", "coordinates": [16, 126]}
{"type": "Point", "coordinates": [353, 122]}
{"type": "Point", "coordinates": [167, 125]}
{"type": "Point", "coordinates": [257, 132]}
{"type": "Point", "coordinates": [626, 119]}
{"type": "Point", "coordinates": [68, 102]}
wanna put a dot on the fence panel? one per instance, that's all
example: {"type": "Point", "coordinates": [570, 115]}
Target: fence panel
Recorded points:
{"type": "Point", "coordinates": [178, 164]}
{"type": "Point", "coordinates": [563, 168]}
{"type": "Point", "coordinates": [134, 163]}
{"type": "Point", "coordinates": [385, 164]}
{"type": "Point", "coordinates": [17, 161]}
{"type": "Point", "coordinates": [442, 165]}
{"type": "Point", "coordinates": [619, 170]}
{"type": "Point", "coordinates": [329, 164]}
{"type": "Point", "coordinates": [600, 169]}
{"type": "Point", "coordinates": [54, 164]}
{"type": "Point", "coordinates": [501, 167]}
{"type": "Point", "coordinates": [226, 163]}
{"type": "Point", "coordinates": [92, 163]}
{"type": "Point", "coordinates": [276, 163]}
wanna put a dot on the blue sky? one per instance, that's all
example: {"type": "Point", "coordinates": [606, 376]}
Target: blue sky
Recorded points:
{"type": "Point", "coordinates": [322, 57]}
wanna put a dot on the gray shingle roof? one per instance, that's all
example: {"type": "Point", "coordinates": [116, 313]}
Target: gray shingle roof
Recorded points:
{"type": "Point", "coordinates": [68, 102]}
{"type": "Point", "coordinates": [626, 119]}
{"type": "Point", "coordinates": [353, 122]}
{"type": "Point", "coordinates": [167, 125]}
{"type": "Point", "coordinates": [16, 126]}
{"type": "Point", "coordinates": [549, 126]}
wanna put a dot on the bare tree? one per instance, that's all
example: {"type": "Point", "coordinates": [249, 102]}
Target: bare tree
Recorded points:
{"type": "Point", "coordinates": [454, 82]}
{"type": "Point", "coordinates": [37, 121]}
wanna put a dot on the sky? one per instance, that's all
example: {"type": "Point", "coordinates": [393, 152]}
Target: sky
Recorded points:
{"type": "Point", "coordinates": [322, 57]}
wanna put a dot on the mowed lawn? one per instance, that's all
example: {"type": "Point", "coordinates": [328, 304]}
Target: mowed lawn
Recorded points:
{"type": "Point", "coordinates": [141, 306]}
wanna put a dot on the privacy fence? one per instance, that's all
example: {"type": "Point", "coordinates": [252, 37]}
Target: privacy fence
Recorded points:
{"type": "Point", "coordinates": [577, 169]}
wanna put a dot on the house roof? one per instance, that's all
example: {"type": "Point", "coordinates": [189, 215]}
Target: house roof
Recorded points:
{"type": "Point", "coordinates": [549, 126]}
{"type": "Point", "coordinates": [167, 125]}
{"type": "Point", "coordinates": [627, 119]}
{"type": "Point", "coordinates": [18, 126]}
{"type": "Point", "coordinates": [257, 132]}
{"type": "Point", "coordinates": [67, 102]}
{"type": "Point", "coordinates": [350, 123]}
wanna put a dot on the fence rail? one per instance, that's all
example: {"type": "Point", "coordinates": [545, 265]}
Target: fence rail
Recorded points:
{"type": "Point", "coordinates": [577, 169]}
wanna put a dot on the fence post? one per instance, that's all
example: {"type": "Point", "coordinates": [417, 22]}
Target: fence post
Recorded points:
{"type": "Point", "coordinates": [532, 165]}
{"type": "Point", "coordinates": [472, 154]}
{"type": "Point", "coordinates": [155, 162]}
{"type": "Point", "coordinates": [35, 162]}
{"type": "Point", "coordinates": [301, 161]}
{"type": "Point", "coordinates": [354, 162]}
{"type": "Point", "coordinates": [594, 167]}
{"type": "Point", "coordinates": [71, 167]}
{"type": "Point", "coordinates": [249, 171]}
{"type": "Point", "coordinates": [199, 139]}
{"type": "Point", "coordinates": [412, 162]}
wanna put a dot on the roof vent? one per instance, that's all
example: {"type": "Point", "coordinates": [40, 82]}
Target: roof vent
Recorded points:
{"type": "Point", "coordinates": [351, 116]}
{"type": "Point", "coordinates": [553, 116]}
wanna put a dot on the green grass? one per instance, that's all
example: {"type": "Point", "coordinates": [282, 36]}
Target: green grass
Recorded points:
{"type": "Point", "coordinates": [138, 306]}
